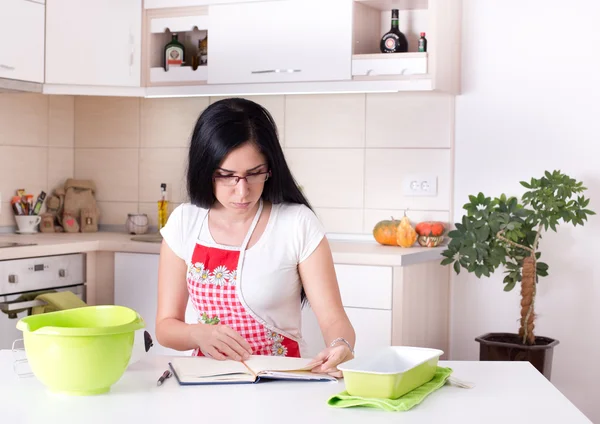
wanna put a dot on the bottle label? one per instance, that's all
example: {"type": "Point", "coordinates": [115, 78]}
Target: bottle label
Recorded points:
{"type": "Point", "coordinates": [174, 56]}
{"type": "Point", "coordinates": [390, 43]}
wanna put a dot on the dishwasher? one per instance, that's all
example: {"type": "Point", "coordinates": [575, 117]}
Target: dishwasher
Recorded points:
{"type": "Point", "coordinates": [22, 277]}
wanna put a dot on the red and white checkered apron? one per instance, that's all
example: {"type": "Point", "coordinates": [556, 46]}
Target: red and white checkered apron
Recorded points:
{"type": "Point", "coordinates": [212, 278]}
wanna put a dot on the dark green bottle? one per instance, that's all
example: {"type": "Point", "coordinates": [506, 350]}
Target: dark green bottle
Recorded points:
{"type": "Point", "coordinates": [174, 53]}
{"type": "Point", "coordinates": [394, 41]}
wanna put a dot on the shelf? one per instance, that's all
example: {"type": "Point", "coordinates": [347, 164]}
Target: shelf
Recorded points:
{"type": "Point", "coordinates": [388, 5]}
{"type": "Point", "coordinates": [372, 22]}
{"type": "Point", "coordinates": [389, 64]}
{"type": "Point", "coordinates": [191, 26]}
{"type": "Point", "coordinates": [389, 56]}
{"type": "Point", "coordinates": [184, 74]}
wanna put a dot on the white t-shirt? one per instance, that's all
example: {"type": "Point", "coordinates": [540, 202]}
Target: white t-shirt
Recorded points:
{"type": "Point", "coordinates": [271, 284]}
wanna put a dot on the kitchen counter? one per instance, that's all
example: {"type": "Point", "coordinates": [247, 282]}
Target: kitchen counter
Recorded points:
{"type": "Point", "coordinates": [344, 252]}
{"type": "Point", "coordinates": [504, 392]}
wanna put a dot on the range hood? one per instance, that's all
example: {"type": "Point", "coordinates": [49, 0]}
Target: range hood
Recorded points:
{"type": "Point", "coordinates": [8, 85]}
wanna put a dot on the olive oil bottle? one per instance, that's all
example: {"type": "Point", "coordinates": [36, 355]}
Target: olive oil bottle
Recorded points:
{"type": "Point", "coordinates": [163, 206]}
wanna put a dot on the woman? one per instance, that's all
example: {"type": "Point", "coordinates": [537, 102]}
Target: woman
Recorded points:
{"type": "Point", "coordinates": [247, 250]}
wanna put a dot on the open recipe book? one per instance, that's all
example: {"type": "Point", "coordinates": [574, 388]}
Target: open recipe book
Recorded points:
{"type": "Point", "coordinates": [192, 370]}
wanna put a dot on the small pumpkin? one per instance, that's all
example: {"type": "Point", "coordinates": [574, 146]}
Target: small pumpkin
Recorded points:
{"type": "Point", "coordinates": [405, 234]}
{"type": "Point", "coordinates": [385, 232]}
{"type": "Point", "coordinates": [430, 228]}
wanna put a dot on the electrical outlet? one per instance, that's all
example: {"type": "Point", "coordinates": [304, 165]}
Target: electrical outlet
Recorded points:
{"type": "Point", "coordinates": [420, 185]}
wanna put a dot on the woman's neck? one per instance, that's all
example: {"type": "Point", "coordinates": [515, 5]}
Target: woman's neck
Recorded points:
{"type": "Point", "coordinates": [227, 218]}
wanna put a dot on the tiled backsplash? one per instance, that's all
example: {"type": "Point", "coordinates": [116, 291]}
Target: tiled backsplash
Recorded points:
{"type": "Point", "coordinates": [350, 152]}
{"type": "Point", "coordinates": [36, 145]}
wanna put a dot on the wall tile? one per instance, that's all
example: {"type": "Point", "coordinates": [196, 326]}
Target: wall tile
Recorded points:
{"type": "Point", "coordinates": [163, 166]}
{"type": "Point", "coordinates": [386, 170]}
{"type": "Point", "coordinates": [61, 121]}
{"type": "Point", "coordinates": [170, 122]}
{"type": "Point", "coordinates": [331, 178]}
{"type": "Point", "coordinates": [336, 120]}
{"type": "Point", "coordinates": [23, 167]}
{"type": "Point", "coordinates": [373, 216]}
{"type": "Point", "coordinates": [23, 119]}
{"type": "Point", "coordinates": [6, 213]}
{"type": "Point", "coordinates": [274, 104]}
{"type": "Point", "coordinates": [409, 120]}
{"type": "Point", "coordinates": [115, 213]}
{"type": "Point", "coordinates": [151, 209]}
{"type": "Point", "coordinates": [341, 220]}
{"type": "Point", "coordinates": [61, 165]}
{"type": "Point", "coordinates": [107, 122]}
{"type": "Point", "coordinates": [114, 171]}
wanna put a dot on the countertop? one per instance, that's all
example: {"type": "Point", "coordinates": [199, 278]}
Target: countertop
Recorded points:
{"type": "Point", "coordinates": [504, 392]}
{"type": "Point", "coordinates": [344, 252]}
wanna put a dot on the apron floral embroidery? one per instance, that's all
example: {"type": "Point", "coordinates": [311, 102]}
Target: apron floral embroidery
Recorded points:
{"type": "Point", "coordinates": [212, 280]}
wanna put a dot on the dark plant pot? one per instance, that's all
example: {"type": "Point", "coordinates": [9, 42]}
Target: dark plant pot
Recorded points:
{"type": "Point", "coordinates": [508, 347]}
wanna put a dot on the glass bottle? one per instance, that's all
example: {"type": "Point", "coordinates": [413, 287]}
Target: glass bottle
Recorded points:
{"type": "Point", "coordinates": [394, 41]}
{"type": "Point", "coordinates": [174, 53]}
{"type": "Point", "coordinates": [422, 43]}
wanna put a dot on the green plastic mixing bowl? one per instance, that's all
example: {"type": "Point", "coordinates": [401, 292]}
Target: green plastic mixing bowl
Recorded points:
{"type": "Point", "coordinates": [81, 351]}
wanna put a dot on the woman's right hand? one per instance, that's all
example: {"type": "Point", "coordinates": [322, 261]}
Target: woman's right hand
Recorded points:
{"type": "Point", "coordinates": [220, 341]}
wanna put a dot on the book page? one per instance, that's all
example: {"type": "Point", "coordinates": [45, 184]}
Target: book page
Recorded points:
{"type": "Point", "coordinates": [279, 367]}
{"type": "Point", "coordinates": [200, 368]}
{"type": "Point", "coordinates": [259, 363]}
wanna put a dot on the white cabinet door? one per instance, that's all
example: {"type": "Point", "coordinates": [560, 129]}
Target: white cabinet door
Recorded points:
{"type": "Point", "coordinates": [136, 286]}
{"type": "Point", "coordinates": [373, 328]}
{"type": "Point", "coordinates": [280, 41]}
{"type": "Point", "coordinates": [91, 42]}
{"type": "Point", "coordinates": [22, 40]}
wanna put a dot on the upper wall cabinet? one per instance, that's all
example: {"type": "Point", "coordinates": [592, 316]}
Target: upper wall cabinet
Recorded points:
{"type": "Point", "coordinates": [93, 43]}
{"type": "Point", "coordinates": [280, 41]}
{"type": "Point", "coordinates": [437, 68]}
{"type": "Point", "coordinates": [22, 40]}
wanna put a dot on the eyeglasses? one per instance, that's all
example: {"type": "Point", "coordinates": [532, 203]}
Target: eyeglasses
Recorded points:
{"type": "Point", "coordinates": [232, 180]}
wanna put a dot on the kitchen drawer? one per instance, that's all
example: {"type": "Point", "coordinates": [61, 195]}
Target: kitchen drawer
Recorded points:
{"type": "Point", "coordinates": [389, 64]}
{"type": "Point", "coordinates": [365, 286]}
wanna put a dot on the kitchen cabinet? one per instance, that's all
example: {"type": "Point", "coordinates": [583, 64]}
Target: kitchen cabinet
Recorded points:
{"type": "Point", "coordinates": [22, 40]}
{"type": "Point", "coordinates": [436, 69]}
{"type": "Point", "coordinates": [386, 305]}
{"type": "Point", "coordinates": [280, 41]}
{"type": "Point", "coordinates": [389, 306]}
{"type": "Point", "coordinates": [136, 286]}
{"type": "Point", "coordinates": [93, 43]}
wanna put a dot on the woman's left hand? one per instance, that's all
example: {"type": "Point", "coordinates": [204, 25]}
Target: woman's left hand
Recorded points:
{"type": "Point", "coordinates": [328, 360]}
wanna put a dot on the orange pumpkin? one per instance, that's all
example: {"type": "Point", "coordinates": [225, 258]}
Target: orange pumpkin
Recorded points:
{"type": "Point", "coordinates": [405, 234]}
{"type": "Point", "coordinates": [385, 232]}
{"type": "Point", "coordinates": [430, 228]}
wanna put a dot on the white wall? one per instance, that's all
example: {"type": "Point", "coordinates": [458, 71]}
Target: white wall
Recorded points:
{"type": "Point", "coordinates": [532, 103]}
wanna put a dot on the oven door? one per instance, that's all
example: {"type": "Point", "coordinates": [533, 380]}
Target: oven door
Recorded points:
{"type": "Point", "coordinates": [9, 306]}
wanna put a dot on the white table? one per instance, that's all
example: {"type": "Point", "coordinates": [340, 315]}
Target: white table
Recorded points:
{"type": "Point", "coordinates": [505, 392]}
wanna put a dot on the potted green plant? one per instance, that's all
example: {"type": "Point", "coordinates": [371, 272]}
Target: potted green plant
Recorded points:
{"type": "Point", "coordinates": [505, 231]}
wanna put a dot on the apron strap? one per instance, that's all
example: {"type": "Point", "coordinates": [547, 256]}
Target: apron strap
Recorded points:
{"type": "Point", "coordinates": [252, 226]}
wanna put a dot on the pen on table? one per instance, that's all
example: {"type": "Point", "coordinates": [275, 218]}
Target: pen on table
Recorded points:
{"type": "Point", "coordinates": [163, 377]}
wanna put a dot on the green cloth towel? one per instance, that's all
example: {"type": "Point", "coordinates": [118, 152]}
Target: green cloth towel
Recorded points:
{"type": "Point", "coordinates": [403, 403]}
{"type": "Point", "coordinates": [57, 302]}
{"type": "Point", "coordinates": [25, 297]}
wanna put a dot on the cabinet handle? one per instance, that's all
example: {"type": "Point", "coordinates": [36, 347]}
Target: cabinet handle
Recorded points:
{"type": "Point", "coordinates": [277, 71]}
{"type": "Point", "coordinates": [132, 53]}
{"type": "Point", "coordinates": [10, 68]}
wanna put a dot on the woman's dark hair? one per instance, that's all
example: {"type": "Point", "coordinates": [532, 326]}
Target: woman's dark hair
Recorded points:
{"type": "Point", "coordinates": [224, 126]}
